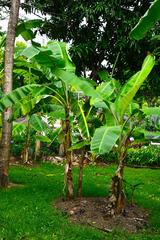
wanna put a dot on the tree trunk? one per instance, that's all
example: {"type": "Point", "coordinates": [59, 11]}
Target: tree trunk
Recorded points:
{"type": "Point", "coordinates": [117, 199]}
{"type": "Point", "coordinates": [80, 177]}
{"type": "Point", "coordinates": [61, 152]}
{"type": "Point", "coordinates": [68, 167]}
{"type": "Point", "coordinates": [37, 149]}
{"type": "Point", "coordinates": [25, 155]}
{"type": "Point", "coordinates": [8, 68]}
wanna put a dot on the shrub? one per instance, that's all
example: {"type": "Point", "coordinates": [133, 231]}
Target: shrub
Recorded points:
{"type": "Point", "coordinates": [144, 156]}
{"type": "Point", "coordinates": [108, 157]}
{"type": "Point", "coordinates": [17, 145]}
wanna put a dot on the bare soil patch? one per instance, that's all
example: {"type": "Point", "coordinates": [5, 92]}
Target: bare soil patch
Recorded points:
{"type": "Point", "coordinates": [94, 212]}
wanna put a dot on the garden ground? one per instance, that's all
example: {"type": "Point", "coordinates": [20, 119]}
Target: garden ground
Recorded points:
{"type": "Point", "coordinates": [27, 209]}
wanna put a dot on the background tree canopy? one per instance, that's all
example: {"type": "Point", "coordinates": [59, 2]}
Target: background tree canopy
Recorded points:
{"type": "Point", "coordinates": [99, 35]}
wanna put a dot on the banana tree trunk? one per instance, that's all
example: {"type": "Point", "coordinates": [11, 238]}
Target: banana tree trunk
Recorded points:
{"type": "Point", "coordinates": [8, 68]}
{"type": "Point", "coordinates": [62, 144]}
{"type": "Point", "coordinates": [118, 199]}
{"type": "Point", "coordinates": [37, 149]}
{"type": "Point", "coordinates": [68, 167]}
{"type": "Point", "coordinates": [25, 154]}
{"type": "Point", "coordinates": [80, 177]}
{"type": "Point", "coordinates": [61, 152]}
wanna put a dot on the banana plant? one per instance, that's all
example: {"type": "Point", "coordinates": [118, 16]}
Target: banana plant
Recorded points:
{"type": "Point", "coordinates": [149, 19]}
{"type": "Point", "coordinates": [32, 127]}
{"type": "Point", "coordinates": [117, 130]}
{"type": "Point", "coordinates": [54, 62]}
{"type": "Point", "coordinates": [82, 139]}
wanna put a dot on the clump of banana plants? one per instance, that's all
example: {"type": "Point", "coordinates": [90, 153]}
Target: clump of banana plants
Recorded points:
{"type": "Point", "coordinates": [118, 128]}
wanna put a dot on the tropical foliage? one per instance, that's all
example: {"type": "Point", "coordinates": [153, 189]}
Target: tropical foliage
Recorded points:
{"type": "Point", "coordinates": [118, 126]}
{"type": "Point", "coordinates": [81, 105]}
{"type": "Point", "coordinates": [151, 17]}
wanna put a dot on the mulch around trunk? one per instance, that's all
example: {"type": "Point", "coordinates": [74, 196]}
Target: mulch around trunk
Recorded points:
{"type": "Point", "coordinates": [94, 212]}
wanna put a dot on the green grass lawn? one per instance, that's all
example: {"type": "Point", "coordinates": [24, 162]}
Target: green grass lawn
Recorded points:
{"type": "Point", "coordinates": [27, 211]}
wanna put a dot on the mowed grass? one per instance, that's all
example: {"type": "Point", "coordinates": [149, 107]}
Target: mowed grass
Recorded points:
{"type": "Point", "coordinates": [27, 211]}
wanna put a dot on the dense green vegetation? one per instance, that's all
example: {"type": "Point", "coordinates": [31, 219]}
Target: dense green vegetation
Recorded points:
{"type": "Point", "coordinates": [141, 156]}
{"type": "Point", "coordinates": [97, 100]}
{"type": "Point", "coordinates": [27, 210]}
{"type": "Point", "coordinates": [145, 156]}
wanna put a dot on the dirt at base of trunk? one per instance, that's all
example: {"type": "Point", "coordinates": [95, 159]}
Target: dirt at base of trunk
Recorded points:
{"type": "Point", "coordinates": [94, 212]}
